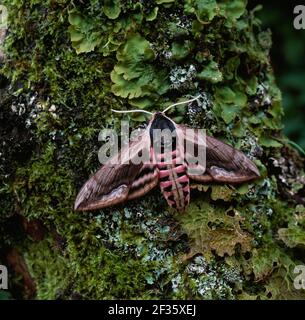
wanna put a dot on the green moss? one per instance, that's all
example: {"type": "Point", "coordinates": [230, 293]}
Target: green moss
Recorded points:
{"type": "Point", "coordinates": [69, 63]}
{"type": "Point", "coordinates": [49, 280]}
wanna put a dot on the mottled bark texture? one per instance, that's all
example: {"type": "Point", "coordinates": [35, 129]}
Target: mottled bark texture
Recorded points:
{"type": "Point", "coordinates": [67, 63]}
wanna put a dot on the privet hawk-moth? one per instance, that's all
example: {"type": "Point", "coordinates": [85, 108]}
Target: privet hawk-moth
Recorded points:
{"type": "Point", "coordinates": [115, 183]}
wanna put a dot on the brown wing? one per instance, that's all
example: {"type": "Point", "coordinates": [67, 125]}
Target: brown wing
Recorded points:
{"type": "Point", "coordinates": [226, 164]}
{"type": "Point", "coordinates": [223, 162]}
{"type": "Point", "coordinates": [115, 183]}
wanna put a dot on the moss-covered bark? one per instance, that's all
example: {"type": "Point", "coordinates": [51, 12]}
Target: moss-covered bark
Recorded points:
{"type": "Point", "coordinates": [67, 64]}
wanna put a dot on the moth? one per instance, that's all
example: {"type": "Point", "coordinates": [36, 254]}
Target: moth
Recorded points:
{"type": "Point", "coordinates": [115, 183]}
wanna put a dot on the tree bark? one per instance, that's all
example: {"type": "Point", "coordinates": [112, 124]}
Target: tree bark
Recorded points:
{"type": "Point", "coordinates": [68, 64]}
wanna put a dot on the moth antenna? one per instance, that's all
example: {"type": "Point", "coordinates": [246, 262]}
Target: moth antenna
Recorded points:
{"type": "Point", "coordinates": [179, 103]}
{"type": "Point", "coordinates": [131, 111]}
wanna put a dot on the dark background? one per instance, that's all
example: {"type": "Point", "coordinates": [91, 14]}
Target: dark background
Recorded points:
{"type": "Point", "coordinates": [288, 60]}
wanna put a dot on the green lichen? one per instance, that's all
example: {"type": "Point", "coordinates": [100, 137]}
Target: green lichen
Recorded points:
{"type": "Point", "coordinates": [82, 36]}
{"type": "Point", "coordinates": [68, 64]}
{"type": "Point", "coordinates": [211, 73]}
{"type": "Point", "coordinates": [135, 75]}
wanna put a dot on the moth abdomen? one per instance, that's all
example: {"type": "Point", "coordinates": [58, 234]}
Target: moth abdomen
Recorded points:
{"type": "Point", "coordinates": [174, 182]}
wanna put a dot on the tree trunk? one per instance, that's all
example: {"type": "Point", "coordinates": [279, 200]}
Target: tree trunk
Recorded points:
{"type": "Point", "coordinates": [68, 64]}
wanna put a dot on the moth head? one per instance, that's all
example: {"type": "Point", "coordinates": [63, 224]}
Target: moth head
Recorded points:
{"type": "Point", "coordinates": [162, 131]}
{"type": "Point", "coordinates": [161, 121]}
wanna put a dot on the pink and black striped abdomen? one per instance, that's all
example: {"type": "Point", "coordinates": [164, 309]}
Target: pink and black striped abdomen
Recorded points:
{"type": "Point", "coordinates": [174, 182]}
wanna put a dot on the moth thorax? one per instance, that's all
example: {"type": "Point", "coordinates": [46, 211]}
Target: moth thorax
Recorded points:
{"type": "Point", "coordinates": [163, 134]}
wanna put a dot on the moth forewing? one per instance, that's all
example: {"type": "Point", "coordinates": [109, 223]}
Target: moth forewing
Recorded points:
{"type": "Point", "coordinates": [139, 148]}
{"type": "Point", "coordinates": [132, 152]}
{"type": "Point", "coordinates": [112, 182]}
{"type": "Point", "coordinates": [195, 150]}
{"type": "Point", "coordinates": [228, 165]}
